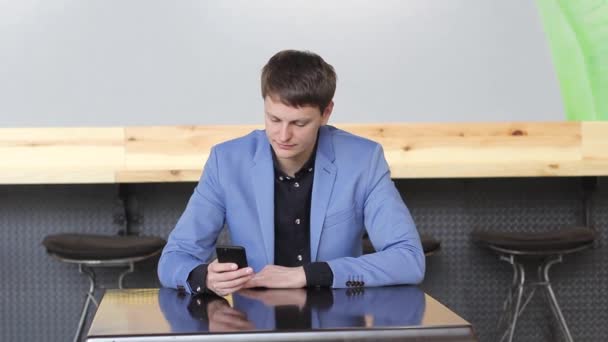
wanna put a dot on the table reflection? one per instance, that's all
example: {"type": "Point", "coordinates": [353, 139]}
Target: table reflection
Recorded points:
{"type": "Point", "coordinates": [293, 309]}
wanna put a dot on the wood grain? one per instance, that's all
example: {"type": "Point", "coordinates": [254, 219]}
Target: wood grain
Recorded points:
{"type": "Point", "coordinates": [60, 155]}
{"type": "Point", "coordinates": [420, 150]}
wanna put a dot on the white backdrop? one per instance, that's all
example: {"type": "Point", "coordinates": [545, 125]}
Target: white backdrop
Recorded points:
{"type": "Point", "coordinates": [153, 62]}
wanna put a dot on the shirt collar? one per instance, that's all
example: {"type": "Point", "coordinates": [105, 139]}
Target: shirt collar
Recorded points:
{"type": "Point", "coordinates": [307, 167]}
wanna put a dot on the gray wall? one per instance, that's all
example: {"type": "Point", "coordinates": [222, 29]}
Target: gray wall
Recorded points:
{"type": "Point", "coordinates": [141, 62]}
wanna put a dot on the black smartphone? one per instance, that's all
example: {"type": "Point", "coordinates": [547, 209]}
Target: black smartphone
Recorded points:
{"type": "Point", "coordinates": [234, 254]}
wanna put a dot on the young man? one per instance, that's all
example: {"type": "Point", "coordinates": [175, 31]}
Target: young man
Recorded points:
{"type": "Point", "coordinates": [298, 196]}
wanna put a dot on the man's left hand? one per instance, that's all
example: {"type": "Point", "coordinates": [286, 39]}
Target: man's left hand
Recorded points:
{"type": "Point", "coordinates": [278, 277]}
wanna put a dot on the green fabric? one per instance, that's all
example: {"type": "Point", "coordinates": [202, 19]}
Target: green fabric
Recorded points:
{"type": "Point", "coordinates": [577, 31]}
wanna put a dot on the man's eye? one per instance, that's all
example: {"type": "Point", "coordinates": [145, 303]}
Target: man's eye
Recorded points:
{"type": "Point", "coordinates": [300, 124]}
{"type": "Point", "coordinates": [274, 120]}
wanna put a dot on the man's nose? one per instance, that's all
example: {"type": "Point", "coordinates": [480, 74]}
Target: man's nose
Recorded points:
{"type": "Point", "coordinates": [285, 133]}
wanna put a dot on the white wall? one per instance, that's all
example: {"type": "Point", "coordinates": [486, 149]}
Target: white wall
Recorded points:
{"type": "Point", "coordinates": [121, 62]}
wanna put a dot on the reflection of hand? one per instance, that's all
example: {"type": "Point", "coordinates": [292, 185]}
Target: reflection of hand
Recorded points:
{"type": "Point", "coordinates": [278, 277]}
{"type": "Point", "coordinates": [225, 278]}
{"type": "Point", "coordinates": [277, 297]}
{"type": "Point", "coordinates": [223, 318]}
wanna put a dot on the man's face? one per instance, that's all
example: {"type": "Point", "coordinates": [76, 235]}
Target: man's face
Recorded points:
{"type": "Point", "coordinates": [292, 132]}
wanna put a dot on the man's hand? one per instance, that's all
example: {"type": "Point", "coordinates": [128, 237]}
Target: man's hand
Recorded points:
{"type": "Point", "coordinates": [225, 278]}
{"type": "Point", "coordinates": [278, 277]}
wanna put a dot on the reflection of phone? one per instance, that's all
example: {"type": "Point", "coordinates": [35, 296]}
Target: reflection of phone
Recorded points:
{"type": "Point", "coordinates": [234, 254]}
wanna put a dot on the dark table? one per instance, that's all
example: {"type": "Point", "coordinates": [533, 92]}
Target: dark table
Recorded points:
{"type": "Point", "coordinates": [395, 313]}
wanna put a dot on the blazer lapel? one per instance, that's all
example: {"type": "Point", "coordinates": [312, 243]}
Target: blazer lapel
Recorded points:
{"type": "Point", "coordinates": [262, 179]}
{"type": "Point", "coordinates": [323, 183]}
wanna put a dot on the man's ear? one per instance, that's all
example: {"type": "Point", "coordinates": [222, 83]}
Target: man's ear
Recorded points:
{"type": "Point", "coordinates": [327, 112]}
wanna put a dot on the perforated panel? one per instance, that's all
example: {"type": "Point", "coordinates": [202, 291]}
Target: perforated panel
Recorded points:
{"type": "Point", "coordinates": [468, 279]}
{"type": "Point", "coordinates": [474, 283]}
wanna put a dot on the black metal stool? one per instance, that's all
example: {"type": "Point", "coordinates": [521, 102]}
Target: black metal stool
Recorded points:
{"type": "Point", "coordinates": [550, 247]}
{"type": "Point", "coordinates": [430, 245]}
{"type": "Point", "coordinates": [89, 251]}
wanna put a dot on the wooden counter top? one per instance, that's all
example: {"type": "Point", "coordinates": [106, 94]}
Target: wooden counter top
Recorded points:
{"type": "Point", "coordinates": [413, 150]}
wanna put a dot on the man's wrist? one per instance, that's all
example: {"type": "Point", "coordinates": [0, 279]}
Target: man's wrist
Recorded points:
{"type": "Point", "coordinates": [300, 277]}
{"type": "Point", "coordinates": [318, 274]}
{"type": "Point", "coordinates": [197, 279]}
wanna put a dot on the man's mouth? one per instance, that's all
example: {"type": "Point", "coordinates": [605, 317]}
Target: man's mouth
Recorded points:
{"type": "Point", "coordinates": [285, 147]}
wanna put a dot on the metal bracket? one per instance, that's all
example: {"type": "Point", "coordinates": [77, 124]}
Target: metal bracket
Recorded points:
{"type": "Point", "coordinates": [127, 214]}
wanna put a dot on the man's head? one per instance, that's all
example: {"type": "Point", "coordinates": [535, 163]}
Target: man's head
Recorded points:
{"type": "Point", "coordinates": [299, 78]}
{"type": "Point", "coordinates": [298, 88]}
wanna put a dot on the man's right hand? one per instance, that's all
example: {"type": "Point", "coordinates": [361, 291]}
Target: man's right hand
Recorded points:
{"type": "Point", "coordinates": [225, 278]}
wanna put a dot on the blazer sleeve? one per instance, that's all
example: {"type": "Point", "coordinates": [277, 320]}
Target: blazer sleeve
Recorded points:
{"type": "Point", "coordinates": [399, 258]}
{"type": "Point", "coordinates": [192, 240]}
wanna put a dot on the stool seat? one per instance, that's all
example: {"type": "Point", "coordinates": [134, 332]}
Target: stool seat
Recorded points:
{"type": "Point", "coordinates": [550, 242]}
{"type": "Point", "coordinates": [101, 247]}
{"type": "Point", "coordinates": [429, 244]}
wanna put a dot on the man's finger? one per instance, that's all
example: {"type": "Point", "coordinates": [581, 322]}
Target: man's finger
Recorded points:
{"type": "Point", "coordinates": [254, 282]}
{"type": "Point", "coordinates": [219, 267]}
{"type": "Point", "coordinates": [232, 275]}
{"type": "Point", "coordinates": [232, 289]}
{"type": "Point", "coordinates": [238, 282]}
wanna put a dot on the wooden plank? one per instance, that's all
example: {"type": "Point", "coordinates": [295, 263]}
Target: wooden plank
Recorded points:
{"type": "Point", "coordinates": [595, 141]}
{"type": "Point", "coordinates": [69, 175]}
{"type": "Point", "coordinates": [60, 155]}
{"type": "Point", "coordinates": [420, 150]}
{"type": "Point", "coordinates": [164, 176]}
{"type": "Point", "coordinates": [478, 150]}
{"type": "Point", "coordinates": [475, 143]}
{"type": "Point", "coordinates": [175, 147]}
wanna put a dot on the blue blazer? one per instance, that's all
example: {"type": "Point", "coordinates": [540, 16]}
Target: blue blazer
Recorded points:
{"type": "Point", "coordinates": [352, 192]}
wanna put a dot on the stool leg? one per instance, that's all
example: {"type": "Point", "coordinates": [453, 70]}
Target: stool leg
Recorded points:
{"type": "Point", "coordinates": [553, 300]}
{"type": "Point", "coordinates": [519, 279]}
{"type": "Point", "coordinates": [88, 298]}
{"type": "Point", "coordinates": [123, 274]}
{"type": "Point", "coordinates": [508, 302]}
{"type": "Point", "coordinates": [520, 291]}
{"type": "Point", "coordinates": [542, 282]}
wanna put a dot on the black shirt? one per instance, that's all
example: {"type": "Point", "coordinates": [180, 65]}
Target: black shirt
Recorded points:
{"type": "Point", "coordinates": [292, 199]}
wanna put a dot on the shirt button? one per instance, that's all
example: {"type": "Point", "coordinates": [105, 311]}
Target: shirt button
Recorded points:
{"type": "Point", "coordinates": [299, 257]}
{"type": "Point", "coordinates": [297, 221]}
{"type": "Point", "coordinates": [198, 289]}
{"type": "Point", "coordinates": [281, 178]}
{"type": "Point", "coordinates": [296, 184]}
{"type": "Point", "coordinates": [287, 178]}
{"type": "Point", "coordinates": [310, 170]}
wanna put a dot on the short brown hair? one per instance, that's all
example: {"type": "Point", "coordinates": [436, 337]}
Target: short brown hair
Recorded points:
{"type": "Point", "coordinates": [299, 78]}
